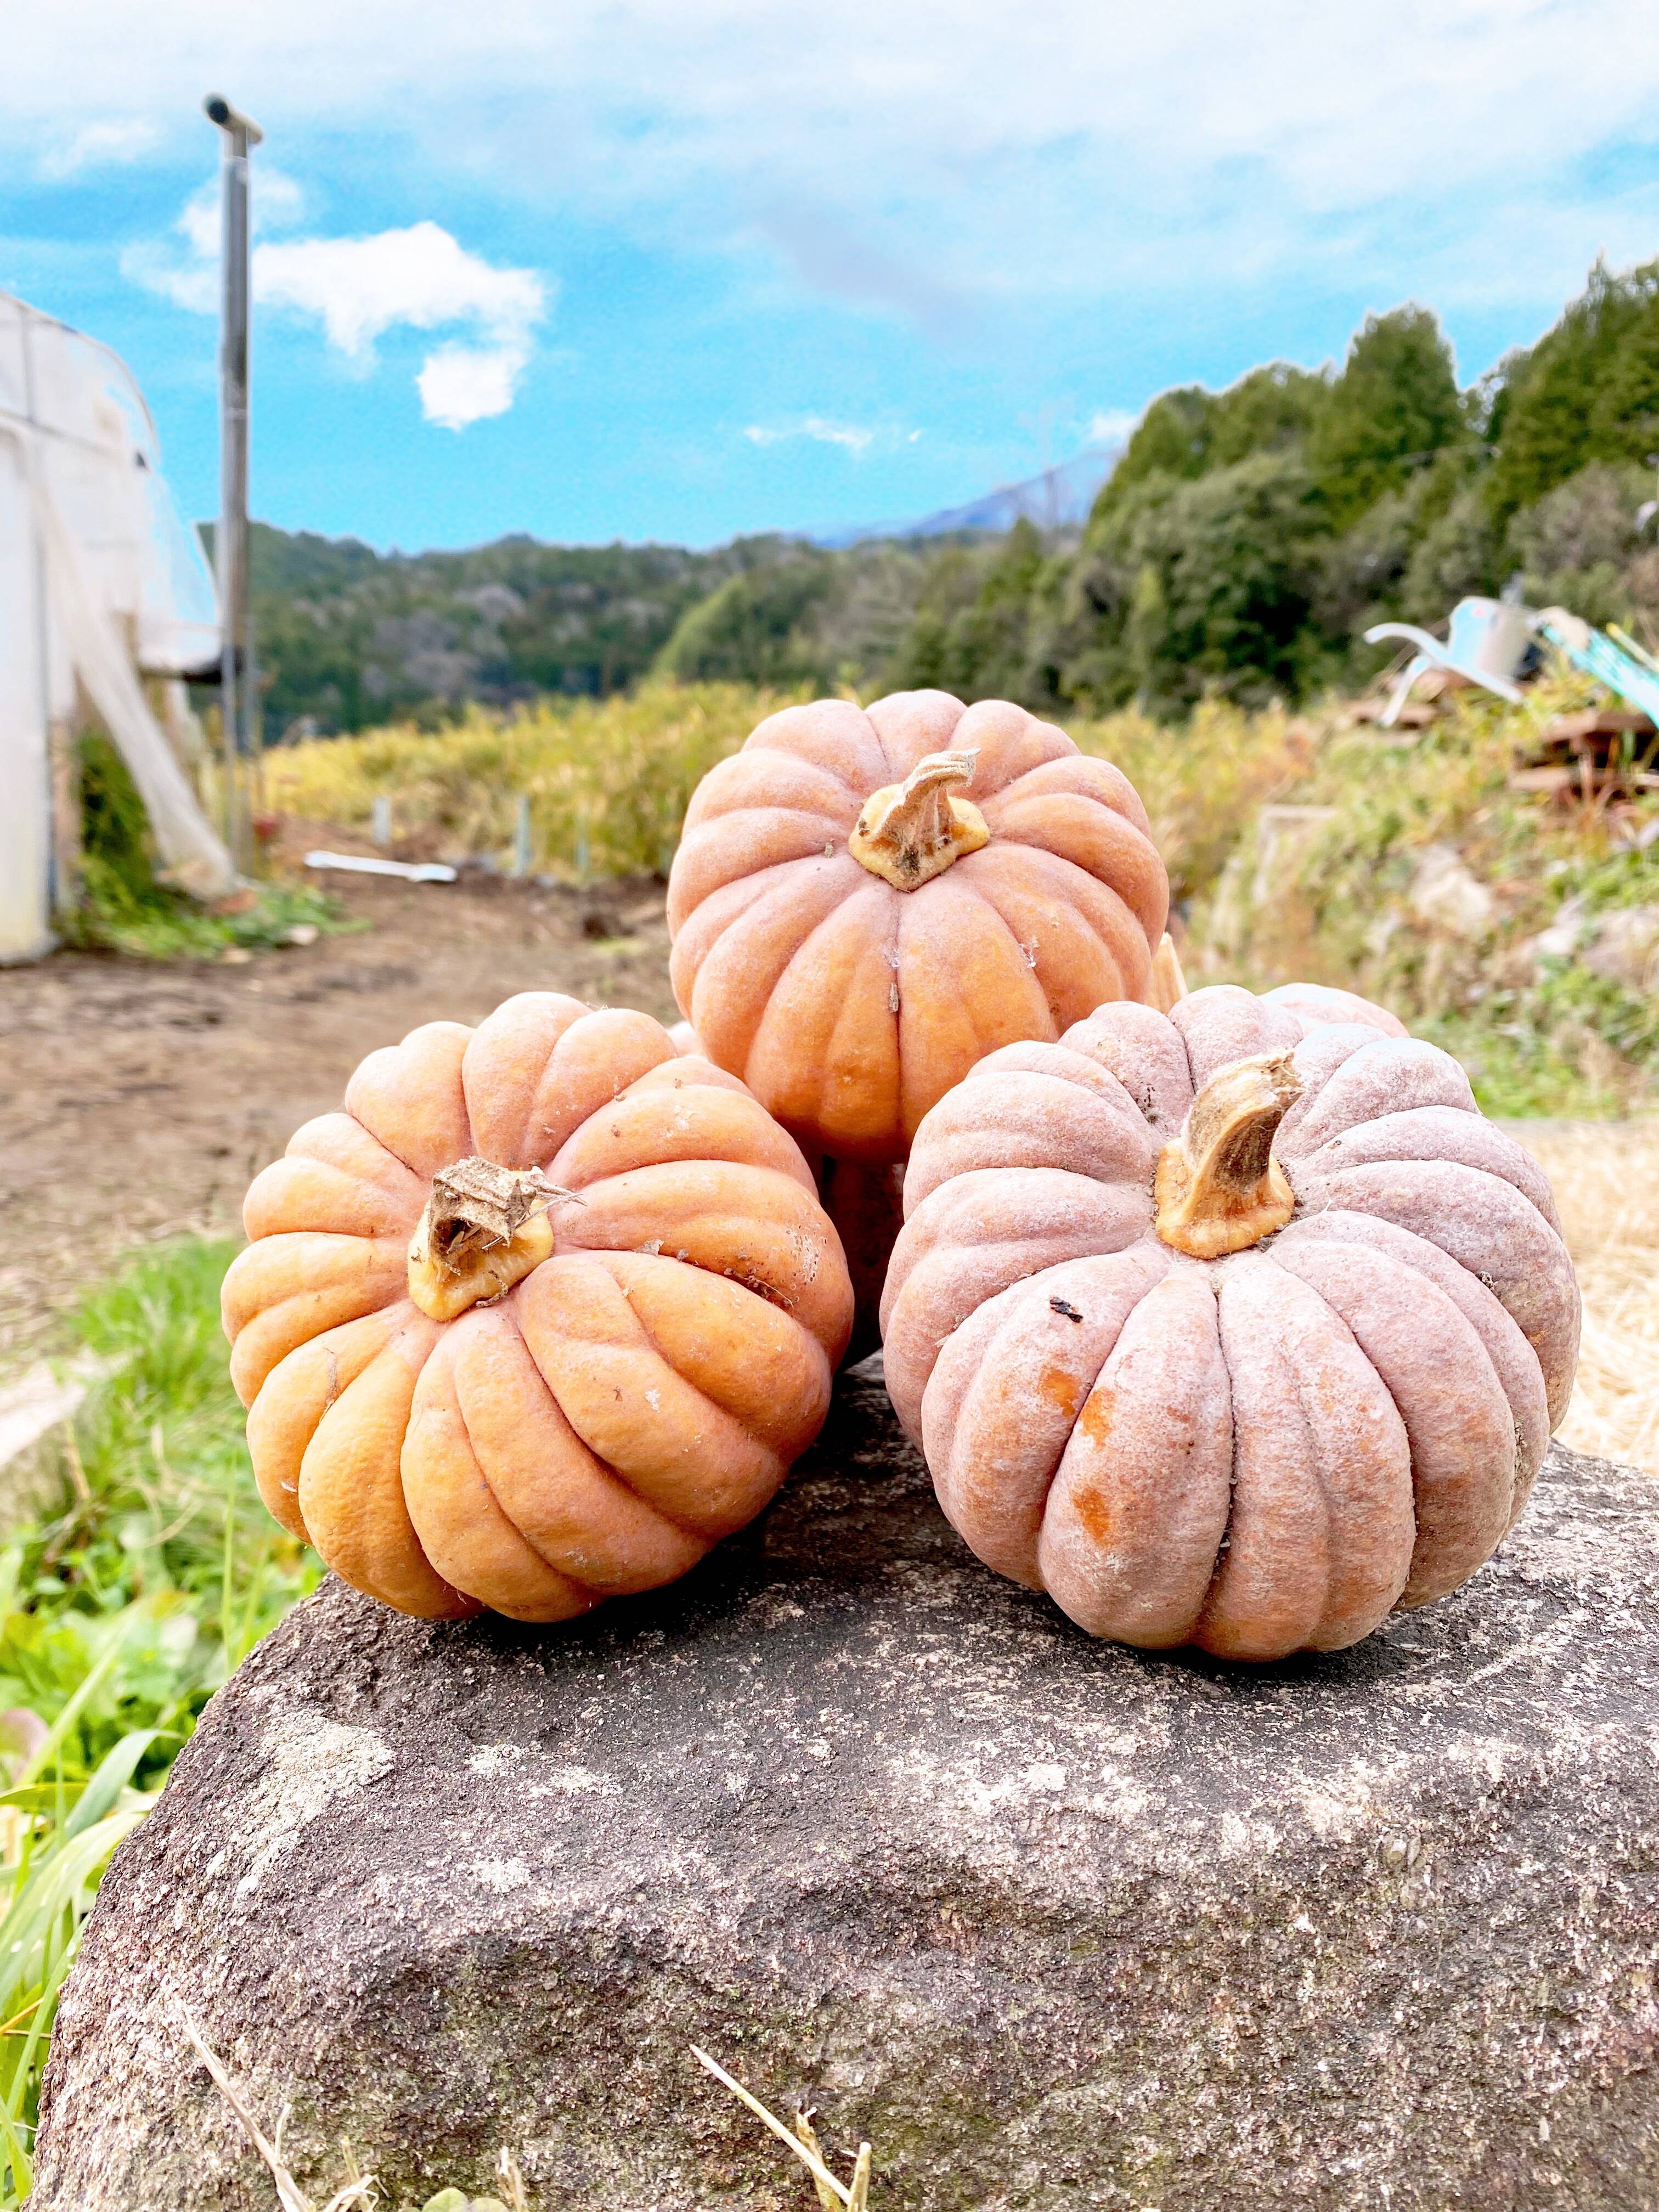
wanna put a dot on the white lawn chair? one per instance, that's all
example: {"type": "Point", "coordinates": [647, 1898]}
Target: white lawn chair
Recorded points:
{"type": "Point", "coordinates": [1488, 645]}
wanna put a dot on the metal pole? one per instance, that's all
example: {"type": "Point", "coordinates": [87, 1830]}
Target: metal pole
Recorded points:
{"type": "Point", "coordinates": [61, 894]}
{"type": "Point", "coordinates": [238, 691]}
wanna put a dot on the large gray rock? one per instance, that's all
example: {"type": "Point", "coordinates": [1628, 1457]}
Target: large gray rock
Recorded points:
{"type": "Point", "coordinates": [1053, 1923]}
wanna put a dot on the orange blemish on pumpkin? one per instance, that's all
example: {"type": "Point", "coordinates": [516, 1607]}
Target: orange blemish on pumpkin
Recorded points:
{"type": "Point", "coordinates": [1095, 1513]}
{"type": "Point", "coordinates": [1060, 1390]}
{"type": "Point", "coordinates": [1099, 1414]}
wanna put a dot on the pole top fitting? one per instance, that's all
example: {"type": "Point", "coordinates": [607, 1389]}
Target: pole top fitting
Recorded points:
{"type": "Point", "coordinates": [217, 109]}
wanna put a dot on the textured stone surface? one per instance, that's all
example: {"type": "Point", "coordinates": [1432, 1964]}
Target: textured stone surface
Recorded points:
{"type": "Point", "coordinates": [1052, 1923]}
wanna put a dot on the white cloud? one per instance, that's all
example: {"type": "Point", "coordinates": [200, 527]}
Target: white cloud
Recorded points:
{"type": "Point", "coordinates": [192, 283]}
{"type": "Point", "coordinates": [833, 256]}
{"type": "Point", "coordinates": [276, 201]}
{"type": "Point", "coordinates": [461, 384]}
{"type": "Point", "coordinates": [854, 437]}
{"type": "Point", "coordinates": [199, 219]}
{"type": "Point", "coordinates": [191, 279]}
{"type": "Point", "coordinates": [1110, 426]}
{"type": "Point", "coordinates": [359, 289]}
{"type": "Point", "coordinates": [937, 161]}
{"type": "Point", "coordinates": [849, 436]}
{"type": "Point", "coordinates": [107, 145]}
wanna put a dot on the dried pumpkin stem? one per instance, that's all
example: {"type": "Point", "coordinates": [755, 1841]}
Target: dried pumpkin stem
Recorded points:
{"type": "Point", "coordinates": [910, 832]}
{"type": "Point", "coordinates": [1219, 1188]}
{"type": "Point", "coordinates": [484, 1229]}
{"type": "Point", "coordinates": [1166, 987]}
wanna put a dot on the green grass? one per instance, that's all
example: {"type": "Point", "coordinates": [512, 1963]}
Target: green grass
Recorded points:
{"type": "Point", "coordinates": [159, 924]}
{"type": "Point", "coordinates": [1521, 1070]}
{"type": "Point", "coordinates": [120, 1613]}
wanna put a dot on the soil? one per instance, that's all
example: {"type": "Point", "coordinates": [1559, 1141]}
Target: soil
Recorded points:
{"type": "Point", "coordinates": [142, 1096]}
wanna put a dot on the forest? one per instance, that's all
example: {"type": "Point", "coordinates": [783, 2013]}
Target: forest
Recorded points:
{"type": "Point", "coordinates": [1239, 549]}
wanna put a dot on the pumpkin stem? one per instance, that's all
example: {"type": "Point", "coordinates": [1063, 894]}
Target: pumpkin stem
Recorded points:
{"type": "Point", "coordinates": [912, 831]}
{"type": "Point", "coordinates": [484, 1229]}
{"type": "Point", "coordinates": [1166, 987]}
{"type": "Point", "coordinates": [1219, 1188]}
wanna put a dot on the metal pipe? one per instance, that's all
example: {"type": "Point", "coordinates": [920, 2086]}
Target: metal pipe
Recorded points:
{"type": "Point", "coordinates": [59, 893]}
{"type": "Point", "coordinates": [238, 694]}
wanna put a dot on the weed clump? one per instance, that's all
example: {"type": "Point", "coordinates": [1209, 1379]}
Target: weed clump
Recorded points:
{"type": "Point", "coordinates": [122, 1609]}
{"type": "Point", "coordinates": [125, 907]}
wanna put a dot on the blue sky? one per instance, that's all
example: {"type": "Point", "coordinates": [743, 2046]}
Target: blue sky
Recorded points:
{"type": "Point", "coordinates": [677, 268]}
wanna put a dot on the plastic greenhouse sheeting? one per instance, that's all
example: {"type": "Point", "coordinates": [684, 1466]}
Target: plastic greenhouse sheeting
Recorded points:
{"type": "Point", "coordinates": [100, 583]}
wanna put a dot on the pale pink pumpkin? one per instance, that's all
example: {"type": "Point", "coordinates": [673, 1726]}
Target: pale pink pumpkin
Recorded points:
{"type": "Point", "coordinates": [1257, 1452]}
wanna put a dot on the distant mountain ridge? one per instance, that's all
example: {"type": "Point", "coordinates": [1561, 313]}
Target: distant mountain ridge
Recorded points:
{"type": "Point", "coordinates": [1059, 496]}
{"type": "Point", "coordinates": [350, 637]}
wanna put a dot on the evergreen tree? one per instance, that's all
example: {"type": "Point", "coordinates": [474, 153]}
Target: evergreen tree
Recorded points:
{"type": "Point", "coordinates": [986, 649]}
{"type": "Point", "coordinates": [1215, 584]}
{"type": "Point", "coordinates": [1548, 428]}
{"type": "Point", "coordinates": [1459, 553]}
{"type": "Point", "coordinates": [1172, 438]}
{"type": "Point", "coordinates": [756, 627]}
{"type": "Point", "coordinates": [919, 662]}
{"type": "Point", "coordinates": [1392, 409]}
{"type": "Point", "coordinates": [1269, 411]}
{"type": "Point", "coordinates": [1625, 418]}
{"type": "Point", "coordinates": [1575, 545]}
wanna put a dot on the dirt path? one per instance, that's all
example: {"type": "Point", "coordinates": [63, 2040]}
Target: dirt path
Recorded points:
{"type": "Point", "coordinates": [140, 1098]}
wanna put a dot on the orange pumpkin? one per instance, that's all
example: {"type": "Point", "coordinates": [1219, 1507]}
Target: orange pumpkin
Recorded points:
{"type": "Point", "coordinates": [544, 1313]}
{"type": "Point", "coordinates": [866, 1205]}
{"type": "Point", "coordinates": [865, 902]}
{"type": "Point", "coordinates": [1238, 1327]}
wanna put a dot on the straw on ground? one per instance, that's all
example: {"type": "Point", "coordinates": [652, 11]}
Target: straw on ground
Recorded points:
{"type": "Point", "coordinates": [802, 2141]}
{"type": "Point", "coordinates": [1605, 1175]}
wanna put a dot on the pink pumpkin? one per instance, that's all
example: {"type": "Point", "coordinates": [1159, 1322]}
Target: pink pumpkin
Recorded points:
{"type": "Point", "coordinates": [1238, 1327]}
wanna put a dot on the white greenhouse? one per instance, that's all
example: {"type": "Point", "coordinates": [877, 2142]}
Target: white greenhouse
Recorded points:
{"type": "Point", "coordinates": [106, 603]}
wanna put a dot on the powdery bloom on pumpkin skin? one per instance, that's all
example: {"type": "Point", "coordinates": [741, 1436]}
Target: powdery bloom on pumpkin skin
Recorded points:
{"type": "Point", "coordinates": [1260, 1453]}
{"type": "Point", "coordinates": [851, 988]}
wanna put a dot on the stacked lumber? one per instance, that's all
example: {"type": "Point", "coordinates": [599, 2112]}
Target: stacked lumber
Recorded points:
{"type": "Point", "coordinates": [1599, 752]}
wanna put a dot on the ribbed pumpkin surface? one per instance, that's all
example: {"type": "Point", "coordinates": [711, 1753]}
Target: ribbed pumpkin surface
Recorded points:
{"type": "Point", "coordinates": [850, 1006]}
{"type": "Point", "coordinates": [1255, 1454]}
{"type": "Point", "coordinates": [640, 1394]}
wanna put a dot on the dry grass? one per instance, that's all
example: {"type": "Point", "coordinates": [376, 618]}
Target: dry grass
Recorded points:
{"type": "Point", "coordinates": [360, 2189]}
{"type": "Point", "coordinates": [608, 781]}
{"type": "Point", "coordinates": [802, 2140]}
{"type": "Point", "coordinates": [1605, 1178]}
{"type": "Point", "coordinates": [1204, 783]}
